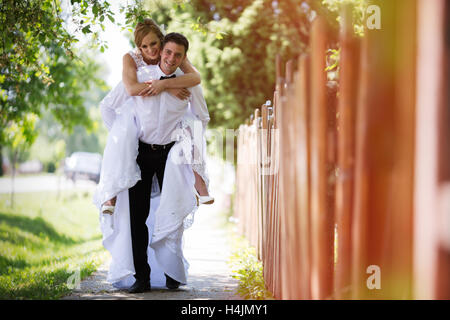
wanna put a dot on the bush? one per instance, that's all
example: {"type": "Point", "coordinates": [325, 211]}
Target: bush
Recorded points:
{"type": "Point", "coordinates": [50, 167]}
{"type": "Point", "coordinates": [249, 271]}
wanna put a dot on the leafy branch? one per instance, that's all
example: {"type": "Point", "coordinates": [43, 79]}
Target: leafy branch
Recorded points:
{"type": "Point", "coordinates": [249, 271]}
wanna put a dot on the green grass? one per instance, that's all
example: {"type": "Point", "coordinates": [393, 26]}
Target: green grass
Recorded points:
{"type": "Point", "coordinates": [248, 270]}
{"type": "Point", "coordinates": [44, 240]}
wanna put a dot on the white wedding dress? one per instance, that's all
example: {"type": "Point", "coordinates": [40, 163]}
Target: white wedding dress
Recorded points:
{"type": "Point", "coordinates": [172, 209]}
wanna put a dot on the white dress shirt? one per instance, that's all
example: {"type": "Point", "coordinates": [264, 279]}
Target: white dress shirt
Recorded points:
{"type": "Point", "coordinates": [158, 116]}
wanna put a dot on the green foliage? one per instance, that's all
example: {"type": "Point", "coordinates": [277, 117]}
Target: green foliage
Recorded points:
{"type": "Point", "coordinates": [19, 136]}
{"type": "Point", "coordinates": [234, 45]}
{"type": "Point", "coordinates": [58, 138]}
{"type": "Point", "coordinates": [40, 63]}
{"type": "Point", "coordinates": [60, 153]}
{"type": "Point", "coordinates": [134, 13]}
{"type": "Point", "coordinates": [249, 271]}
{"type": "Point", "coordinates": [42, 68]}
{"type": "Point", "coordinates": [54, 143]}
{"type": "Point", "coordinates": [1, 161]}
{"type": "Point", "coordinates": [358, 6]}
{"type": "Point", "coordinates": [333, 58]}
{"type": "Point", "coordinates": [43, 241]}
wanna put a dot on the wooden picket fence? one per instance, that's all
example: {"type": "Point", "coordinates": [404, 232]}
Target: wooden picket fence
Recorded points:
{"type": "Point", "coordinates": [343, 187]}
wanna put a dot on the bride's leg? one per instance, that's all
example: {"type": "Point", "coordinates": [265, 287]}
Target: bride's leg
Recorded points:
{"type": "Point", "coordinates": [200, 185]}
{"type": "Point", "coordinates": [119, 168]}
{"type": "Point", "coordinates": [202, 194]}
{"type": "Point", "coordinates": [198, 165]}
{"type": "Point", "coordinates": [111, 202]}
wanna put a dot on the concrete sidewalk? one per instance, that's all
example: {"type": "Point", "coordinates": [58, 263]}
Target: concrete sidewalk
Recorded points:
{"type": "Point", "coordinates": [207, 249]}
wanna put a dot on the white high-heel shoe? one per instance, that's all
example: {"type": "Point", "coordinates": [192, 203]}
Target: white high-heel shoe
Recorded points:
{"type": "Point", "coordinates": [108, 209]}
{"type": "Point", "coordinates": [203, 199]}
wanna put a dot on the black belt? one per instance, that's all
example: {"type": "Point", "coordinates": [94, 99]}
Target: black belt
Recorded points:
{"type": "Point", "coordinates": [155, 147]}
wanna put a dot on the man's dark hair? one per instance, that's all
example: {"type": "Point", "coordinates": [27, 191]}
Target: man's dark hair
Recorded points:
{"type": "Point", "coordinates": [178, 38]}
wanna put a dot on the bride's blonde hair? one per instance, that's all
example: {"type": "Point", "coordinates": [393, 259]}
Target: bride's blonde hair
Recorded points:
{"type": "Point", "coordinates": [143, 28]}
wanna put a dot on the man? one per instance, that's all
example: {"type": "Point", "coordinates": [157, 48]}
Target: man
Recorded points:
{"type": "Point", "coordinates": [158, 117]}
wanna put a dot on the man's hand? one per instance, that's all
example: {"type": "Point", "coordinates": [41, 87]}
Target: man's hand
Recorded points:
{"type": "Point", "coordinates": [181, 93]}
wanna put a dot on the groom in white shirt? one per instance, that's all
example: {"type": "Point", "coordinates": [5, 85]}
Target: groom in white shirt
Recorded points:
{"type": "Point", "coordinates": [158, 117]}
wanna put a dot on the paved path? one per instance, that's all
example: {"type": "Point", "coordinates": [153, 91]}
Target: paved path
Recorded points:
{"type": "Point", "coordinates": [207, 248]}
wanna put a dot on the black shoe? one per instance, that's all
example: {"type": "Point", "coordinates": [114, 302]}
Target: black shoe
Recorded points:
{"type": "Point", "coordinates": [171, 283]}
{"type": "Point", "coordinates": [140, 286]}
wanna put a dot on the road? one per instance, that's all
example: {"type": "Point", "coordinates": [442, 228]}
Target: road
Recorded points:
{"type": "Point", "coordinates": [48, 182]}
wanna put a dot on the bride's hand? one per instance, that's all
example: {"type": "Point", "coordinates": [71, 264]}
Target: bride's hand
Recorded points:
{"type": "Point", "coordinates": [155, 87]}
{"type": "Point", "coordinates": [181, 93]}
{"type": "Point", "coordinates": [146, 91]}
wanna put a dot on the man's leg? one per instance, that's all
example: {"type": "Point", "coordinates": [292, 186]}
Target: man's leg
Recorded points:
{"type": "Point", "coordinates": [139, 208]}
{"type": "Point", "coordinates": [139, 197]}
{"type": "Point", "coordinates": [170, 283]}
{"type": "Point", "coordinates": [159, 170]}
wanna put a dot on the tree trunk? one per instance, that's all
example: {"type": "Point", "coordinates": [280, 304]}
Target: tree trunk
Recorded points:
{"type": "Point", "coordinates": [13, 176]}
{"type": "Point", "coordinates": [1, 162]}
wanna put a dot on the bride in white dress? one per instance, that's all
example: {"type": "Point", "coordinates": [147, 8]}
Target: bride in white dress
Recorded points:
{"type": "Point", "coordinates": [172, 209]}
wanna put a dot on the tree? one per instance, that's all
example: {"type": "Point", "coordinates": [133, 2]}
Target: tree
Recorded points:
{"type": "Point", "coordinates": [234, 45]}
{"type": "Point", "coordinates": [59, 155]}
{"type": "Point", "coordinates": [20, 136]}
{"type": "Point", "coordinates": [80, 138]}
{"type": "Point", "coordinates": [40, 66]}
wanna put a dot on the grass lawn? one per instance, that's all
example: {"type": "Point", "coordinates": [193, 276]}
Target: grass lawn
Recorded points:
{"type": "Point", "coordinates": [45, 242]}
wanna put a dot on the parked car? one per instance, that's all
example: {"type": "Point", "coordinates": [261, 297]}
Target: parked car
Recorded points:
{"type": "Point", "coordinates": [83, 165]}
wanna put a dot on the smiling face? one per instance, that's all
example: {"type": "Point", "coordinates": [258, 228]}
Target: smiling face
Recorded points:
{"type": "Point", "coordinates": [172, 56]}
{"type": "Point", "coordinates": [150, 47]}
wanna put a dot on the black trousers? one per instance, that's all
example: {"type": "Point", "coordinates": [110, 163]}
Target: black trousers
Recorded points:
{"type": "Point", "coordinates": [150, 161]}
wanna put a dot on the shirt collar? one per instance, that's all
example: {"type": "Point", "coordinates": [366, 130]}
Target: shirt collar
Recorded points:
{"type": "Point", "coordinates": [162, 74]}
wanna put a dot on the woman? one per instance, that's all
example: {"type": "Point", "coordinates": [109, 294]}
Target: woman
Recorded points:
{"type": "Point", "coordinates": [171, 213]}
{"type": "Point", "coordinates": [124, 171]}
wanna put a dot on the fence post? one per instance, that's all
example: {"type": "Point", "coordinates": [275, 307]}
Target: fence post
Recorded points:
{"type": "Point", "coordinates": [272, 188]}
{"type": "Point", "coordinates": [322, 222]}
{"type": "Point", "coordinates": [348, 88]}
{"type": "Point", "coordinates": [430, 272]}
{"type": "Point", "coordinates": [302, 114]}
{"type": "Point", "coordinates": [384, 159]}
{"type": "Point", "coordinates": [283, 206]}
{"type": "Point", "coordinates": [443, 285]}
{"type": "Point", "coordinates": [403, 182]}
{"type": "Point", "coordinates": [264, 177]}
{"type": "Point", "coordinates": [373, 159]}
{"type": "Point", "coordinates": [287, 188]}
{"type": "Point", "coordinates": [258, 211]}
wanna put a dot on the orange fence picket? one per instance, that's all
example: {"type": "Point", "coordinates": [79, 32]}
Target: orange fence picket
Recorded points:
{"type": "Point", "coordinates": [343, 187]}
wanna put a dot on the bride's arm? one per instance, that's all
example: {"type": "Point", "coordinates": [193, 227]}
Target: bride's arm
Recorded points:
{"type": "Point", "coordinates": [129, 77]}
{"type": "Point", "coordinates": [191, 78]}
